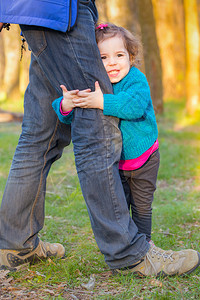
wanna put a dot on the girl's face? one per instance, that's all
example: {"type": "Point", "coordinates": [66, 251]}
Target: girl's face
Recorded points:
{"type": "Point", "coordinates": [115, 58]}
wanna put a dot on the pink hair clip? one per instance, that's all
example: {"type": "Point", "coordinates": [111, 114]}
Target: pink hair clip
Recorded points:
{"type": "Point", "coordinates": [102, 26]}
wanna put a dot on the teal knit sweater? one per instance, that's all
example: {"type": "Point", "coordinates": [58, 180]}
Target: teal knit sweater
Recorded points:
{"type": "Point", "coordinates": [132, 104]}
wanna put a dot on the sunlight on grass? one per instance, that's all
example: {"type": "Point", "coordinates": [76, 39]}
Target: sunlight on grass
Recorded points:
{"type": "Point", "coordinates": [185, 121]}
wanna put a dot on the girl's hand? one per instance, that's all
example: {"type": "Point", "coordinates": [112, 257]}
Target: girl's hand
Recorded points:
{"type": "Point", "coordinates": [68, 96]}
{"type": "Point", "coordinates": [88, 99]}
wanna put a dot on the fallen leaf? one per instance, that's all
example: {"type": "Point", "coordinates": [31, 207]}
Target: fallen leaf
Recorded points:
{"type": "Point", "coordinates": [90, 285]}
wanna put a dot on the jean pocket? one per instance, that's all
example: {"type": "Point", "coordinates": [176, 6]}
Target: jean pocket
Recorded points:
{"type": "Point", "coordinates": [35, 37]}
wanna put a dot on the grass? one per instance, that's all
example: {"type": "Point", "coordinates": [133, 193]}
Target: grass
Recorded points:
{"type": "Point", "coordinates": [176, 222]}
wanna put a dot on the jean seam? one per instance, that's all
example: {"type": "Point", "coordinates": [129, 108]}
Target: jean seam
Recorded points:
{"type": "Point", "coordinates": [78, 62]}
{"type": "Point", "coordinates": [41, 177]}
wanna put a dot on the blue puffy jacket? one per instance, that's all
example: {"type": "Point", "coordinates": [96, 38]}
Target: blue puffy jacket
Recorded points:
{"type": "Point", "coordinates": [55, 14]}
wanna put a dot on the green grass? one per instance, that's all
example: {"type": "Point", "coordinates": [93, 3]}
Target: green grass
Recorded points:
{"type": "Point", "coordinates": [176, 221]}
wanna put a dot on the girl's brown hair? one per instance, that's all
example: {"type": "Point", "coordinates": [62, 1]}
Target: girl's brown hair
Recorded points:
{"type": "Point", "coordinates": [131, 42]}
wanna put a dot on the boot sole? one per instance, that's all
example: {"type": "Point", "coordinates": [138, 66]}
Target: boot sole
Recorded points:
{"type": "Point", "coordinates": [195, 267]}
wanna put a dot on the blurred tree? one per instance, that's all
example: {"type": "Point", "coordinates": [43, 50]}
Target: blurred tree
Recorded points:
{"type": "Point", "coordinates": [152, 59]}
{"type": "Point", "coordinates": [13, 72]}
{"type": "Point", "coordinates": [192, 55]}
{"type": "Point", "coordinates": [12, 62]}
{"type": "Point", "coordinates": [24, 69]}
{"type": "Point", "coordinates": [198, 9]}
{"type": "Point", "coordinates": [2, 64]}
{"type": "Point", "coordinates": [102, 9]}
{"type": "Point", "coordinates": [123, 13]}
{"type": "Point", "coordinates": [169, 18]}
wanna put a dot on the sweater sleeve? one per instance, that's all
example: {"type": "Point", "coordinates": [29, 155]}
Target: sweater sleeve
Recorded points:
{"type": "Point", "coordinates": [131, 101]}
{"type": "Point", "coordinates": [67, 119]}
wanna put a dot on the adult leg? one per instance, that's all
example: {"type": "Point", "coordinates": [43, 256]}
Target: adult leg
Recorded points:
{"type": "Point", "coordinates": [41, 142]}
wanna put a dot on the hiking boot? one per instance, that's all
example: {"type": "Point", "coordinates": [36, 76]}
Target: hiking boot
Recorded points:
{"type": "Point", "coordinates": [12, 259]}
{"type": "Point", "coordinates": [164, 263]}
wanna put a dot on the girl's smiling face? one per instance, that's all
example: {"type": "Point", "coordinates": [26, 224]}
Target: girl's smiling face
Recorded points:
{"type": "Point", "coordinates": [115, 58]}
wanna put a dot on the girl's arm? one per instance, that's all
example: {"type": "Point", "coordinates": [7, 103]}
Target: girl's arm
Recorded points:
{"type": "Point", "coordinates": [129, 104]}
{"type": "Point", "coordinates": [65, 104]}
{"type": "Point", "coordinates": [67, 119]}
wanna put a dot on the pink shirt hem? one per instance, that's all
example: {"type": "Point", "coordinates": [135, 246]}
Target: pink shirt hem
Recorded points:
{"type": "Point", "coordinates": [136, 163]}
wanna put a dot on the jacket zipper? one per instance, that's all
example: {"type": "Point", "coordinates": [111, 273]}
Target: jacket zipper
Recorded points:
{"type": "Point", "coordinates": [70, 16]}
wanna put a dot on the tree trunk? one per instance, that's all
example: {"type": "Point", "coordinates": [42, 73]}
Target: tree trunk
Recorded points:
{"type": "Point", "coordinates": [122, 13]}
{"type": "Point", "coordinates": [12, 50]}
{"type": "Point", "coordinates": [24, 69]}
{"type": "Point", "coordinates": [192, 55]}
{"type": "Point", "coordinates": [102, 10]}
{"type": "Point", "coordinates": [151, 52]}
{"type": "Point", "coordinates": [169, 19]}
{"type": "Point", "coordinates": [2, 64]}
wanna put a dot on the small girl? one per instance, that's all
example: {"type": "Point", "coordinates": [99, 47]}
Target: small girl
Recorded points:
{"type": "Point", "coordinates": [131, 103]}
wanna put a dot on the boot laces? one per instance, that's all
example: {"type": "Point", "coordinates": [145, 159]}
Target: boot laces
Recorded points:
{"type": "Point", "coordinates": [155, 251]}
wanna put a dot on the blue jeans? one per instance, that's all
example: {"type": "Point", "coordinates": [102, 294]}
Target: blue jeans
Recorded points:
{"type": "Point", "coordinates": [72, 59]}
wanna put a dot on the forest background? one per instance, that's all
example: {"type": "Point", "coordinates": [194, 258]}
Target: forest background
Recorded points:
{"type": "Point", "coordinates": [169, 30]}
